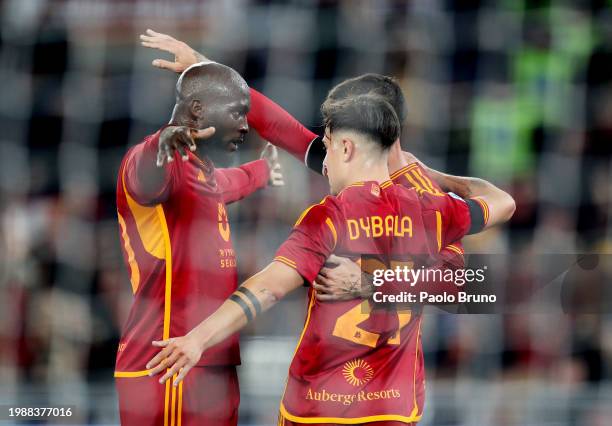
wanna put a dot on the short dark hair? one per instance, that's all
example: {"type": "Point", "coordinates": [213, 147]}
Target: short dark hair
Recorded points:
{"type": "Point", "coordinates": [379, 84]}
{"type": "Point", "coordinates": [368, 114]}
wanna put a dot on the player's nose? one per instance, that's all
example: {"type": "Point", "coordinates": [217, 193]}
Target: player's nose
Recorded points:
{"type": "Point", "coordinates": [243, 127]}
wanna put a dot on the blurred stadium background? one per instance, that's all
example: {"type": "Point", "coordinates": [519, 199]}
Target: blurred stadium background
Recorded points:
{"type": "Point", "coordinates": [517, 92]}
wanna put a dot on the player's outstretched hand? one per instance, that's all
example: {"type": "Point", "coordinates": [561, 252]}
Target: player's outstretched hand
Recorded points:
{"type": "Point", "coordinates": [184, 55]}
{"type": "Point", "coordinates": [178, 355]}
{"type": "Point", "coordinates": [270, 154]}
{"type": "Point", "coordinates": [181, 139]}
{"type": "Point", "coordinates": [340, 279]}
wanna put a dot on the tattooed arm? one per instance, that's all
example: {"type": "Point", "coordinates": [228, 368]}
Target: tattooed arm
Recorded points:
{"type": "Point", "coordinates": [257, 294]}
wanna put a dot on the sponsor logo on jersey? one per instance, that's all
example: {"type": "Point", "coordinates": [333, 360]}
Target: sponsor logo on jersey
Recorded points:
{"type": "Point", "coordinates": [224, 228]}
{"type": "Point", "coordinates": [357, 372]}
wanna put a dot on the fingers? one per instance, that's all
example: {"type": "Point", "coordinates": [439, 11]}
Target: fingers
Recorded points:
{"type": "Point", "coordinates": [167, 65]}
{"type": "Point", "coordinates": [158, 363]}
{"type": "Point", "coordinates": [272, 152]}
{"type": "Point", "coordinates": [161, 35]}
{"type": "Point", "coordinates": [323, 280]}
{"type": "Point", "coordinates": [165, 153]}
{"type": "Point", "coordinates": [276, 176]}
{"type": "Point", "coordinates": [202, 133]}
{"type": "Point", "coordinates": [322, 297]}
{"type": "Point", "coordinates": [182, 373]}
{"type": "Point", "coordinates": [321, 289]}
{"type": "Point", "coordinates": [174, 369]}
{"type": "Point", "coordinates": [161, 343]}
{"type": "Point", "coordinates": [160, 158]}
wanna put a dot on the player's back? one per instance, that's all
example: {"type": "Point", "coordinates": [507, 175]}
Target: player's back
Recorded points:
{"type": "Point", "coordinates": [355, 360]}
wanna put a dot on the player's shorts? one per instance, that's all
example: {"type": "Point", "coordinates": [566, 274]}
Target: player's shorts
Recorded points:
{"type": "Point", "coordinates": [284, 422]}
{"type": "Point", "coordinates": [207, 396]}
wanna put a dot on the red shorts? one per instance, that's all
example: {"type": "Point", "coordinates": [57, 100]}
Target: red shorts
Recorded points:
{"type": "Point", "coordinates": [284, 422]}
{"type": "Point", "coordinates": [207, 396]}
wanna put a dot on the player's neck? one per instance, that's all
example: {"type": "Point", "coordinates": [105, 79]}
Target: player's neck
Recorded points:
{"type": "Point", "coordinates": [377, 172]}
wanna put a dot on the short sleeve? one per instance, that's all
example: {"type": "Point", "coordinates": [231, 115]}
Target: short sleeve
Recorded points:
{"type": "Point", "coordinates": [310, 243]}
{"type": "Point", "coordinates": [140, 166]}
{"type": "Point", "coordinates": [451, 214]}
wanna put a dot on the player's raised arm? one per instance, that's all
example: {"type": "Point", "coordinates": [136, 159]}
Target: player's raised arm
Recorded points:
{"type": "Point", "coordinates": [500, 204]}
{"type": "Point", "coordinates": [496, 205]}
{"type": "Point", "coordinates": [238, 182]}
{"type": "Point", "coordinates": [269, 119]}
{"type": "Point", "coordinates": [184, 55]}
{"type": "Point", "coordinates": [147, 171]}
{"type": "Point", "coordinates": [256, 295]}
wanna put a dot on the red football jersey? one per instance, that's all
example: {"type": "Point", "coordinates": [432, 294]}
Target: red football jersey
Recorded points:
{"type": "Point", "coordinates": [178, 250]}
{"type": "Point", "coordinates": [354, 363]}
{"type": "Point", "coordinates": [414, 176]}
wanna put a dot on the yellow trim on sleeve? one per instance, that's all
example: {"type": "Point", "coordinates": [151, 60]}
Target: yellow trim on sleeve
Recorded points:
{"type": "Point", "coordinates": [286, 261]}
{"type": "Point", "coordinates": [454, 249]}
{"type": "Point", "coordinates": [485, 209]}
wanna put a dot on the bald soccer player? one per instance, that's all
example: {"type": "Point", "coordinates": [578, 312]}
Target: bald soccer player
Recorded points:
{"type": "Point", "coordinates": [177, 246]}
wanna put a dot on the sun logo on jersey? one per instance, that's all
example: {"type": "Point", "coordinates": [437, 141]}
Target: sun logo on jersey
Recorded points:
{"type": "Point", "coordinates": [357, 372]}
{"type": "Point", "coordinates": [224, 228]}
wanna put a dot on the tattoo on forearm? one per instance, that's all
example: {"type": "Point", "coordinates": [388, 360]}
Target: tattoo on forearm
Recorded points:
{"type": "Point", "coordinates": [269, 295]}
{"type": "Point", "coordinates": [245, 308]}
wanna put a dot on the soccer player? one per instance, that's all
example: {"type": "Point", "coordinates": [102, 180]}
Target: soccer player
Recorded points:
{"type": "Point", "coordinates": [353, 364]}
{"type": "Point", "coordinates": [283, 130]}
{"type": "Point", "coordinates": [176, 242]}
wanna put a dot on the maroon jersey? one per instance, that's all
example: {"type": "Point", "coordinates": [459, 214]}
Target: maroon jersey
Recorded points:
{"type": "Point", "coordinates": [178, 250]}
{"type": "Point", "coordinates": [414, 176]}
{"type": "Point", "coordinates": [354, 362]}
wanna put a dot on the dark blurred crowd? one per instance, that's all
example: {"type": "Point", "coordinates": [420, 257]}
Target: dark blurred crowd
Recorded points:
{"type": "Point", "coordinates": [517, 92]}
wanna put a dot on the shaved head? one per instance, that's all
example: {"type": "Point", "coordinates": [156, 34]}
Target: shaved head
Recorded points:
{"type": "Point", "coordinates": [208, 78]}
{"type": "Point", "coordinates": [209, 94]}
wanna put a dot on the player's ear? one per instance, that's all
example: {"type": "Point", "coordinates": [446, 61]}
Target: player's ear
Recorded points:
{"type": "Point", "coordinates": [196, 108]}
{"type": "Point", "coordinates": [348, 149]}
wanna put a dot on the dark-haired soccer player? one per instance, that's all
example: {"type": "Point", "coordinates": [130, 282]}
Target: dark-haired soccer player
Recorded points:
{"type": "Point", "coordinates": [353, 364]}
{"type": "Point", "coordinates": [178, 249]}
{"type": "Point", "coordinates": [283, 130]}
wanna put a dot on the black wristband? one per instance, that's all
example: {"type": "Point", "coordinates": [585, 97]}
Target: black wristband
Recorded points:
{"type": "Point", "coordinates": [315, 155]}
{"type": "Point", "coordinates": [249, 294]}
{"type": "Point", "coordinates": [477, 216]}
{"type": "Point", "coordinates": [247, 311]}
